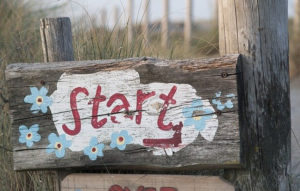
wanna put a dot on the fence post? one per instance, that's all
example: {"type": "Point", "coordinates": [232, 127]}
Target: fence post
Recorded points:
{"type": "Point", "coordinates": [165, 24]}
{"type": "Point", "coordinates": [146, 21]}
{"type": "Point", "coordinates": [129, 21]}
{"type": "Point", "coordinates": [295, 43]}
{"type": "Point", "coordinates": [259, 31]}
{"type": "Point", "coordinates": [56, 35]}
{"type": "Point", "coordinates": [188, 24]}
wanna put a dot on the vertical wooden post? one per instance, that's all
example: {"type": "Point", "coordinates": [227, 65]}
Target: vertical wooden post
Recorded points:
{"type": "Point", "coordinates": [259, 31]}
{"type": "Point", "coordinates": [295, 42]}
{"type": "Point", "coordinates": [129, 20]}
{"type": "Point", "coordinates": [56, 35]}
{"type": "Point", "coordinates": [188, 24]}
{"type": "Point", "coordinates": [146, 21]}
{"type": "Point", "coordinates": [165, 24]}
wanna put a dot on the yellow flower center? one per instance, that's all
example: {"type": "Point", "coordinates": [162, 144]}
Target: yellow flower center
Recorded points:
{"type": "Point", "coordinates": [29, 136]}
{"type": "Point", "coordinates": [197, 115]}
{"type": "Point", "coordinates": [58, 145]}
{"type": "Point", "coordinates": [39, 100]}
{"type": "Point", "coordinates": [197, 118]}
{"type": "Point", "coordinates": [120, 140]}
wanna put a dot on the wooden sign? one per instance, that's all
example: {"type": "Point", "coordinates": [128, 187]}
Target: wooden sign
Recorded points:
{"type": "Point", "coordinates": [143, 182]}
{"type": "Point", "coordinates": [136, 112]}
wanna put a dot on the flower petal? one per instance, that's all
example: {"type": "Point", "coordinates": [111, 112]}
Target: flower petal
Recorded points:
{"type": "Point", "coordinates": [50, 148]}
{"type": "Point", "coordinates": [113, 144]}
{"type": "Point", "coordinates": [124, 133]}
{"type": "Point", "coordinates": [200, 125]}
{"type": "Point", "coordinates": [52, 138]}
{"type": "Point", "coordinates": [93, 141]}
{"type": "Point", "coordinates": [197, 103]}
{"type": "Point", "coordinates": [93, 156]}
{"type": "Point", "coordinates": [47, 100]}
{"type": "Point", "coordinates": [29, 99]}
{"type": "Point", "coordinates": [23, 129]}
{"type": "Point", "coordinates": [43, 91]}
{"type": "Point", "coordinates": [128, 139]}
{"type": "Point", "coordinates": [68, 143]}
{"type": "Point", "coordinates": [122, 147]}
{"type": "Point", "coordinates": [36, 137]}
{"type": "Point", "coordinates": [100, 153]}
{"type": "Point", "coordinates": [29, 143]}
{"type": "Point", "coordinates": [44, 108]}
{"type": "Point", "coordinates": [22, 138]}
{"type": "Point", "coordinates": [34, 128]}
{"type": "Point", "coordinates": [87, 150]}
{"type": "Point", "coordinates": [35, 108]}
{"type": "Point", "coordinates": [229, 104]}
{"type": "Point", "coordinates": [189, 122]}
{"type": "Point", "coordinates": [60, 153]}
{"type": "Point", "coordinates": [188, 111]}
{"type": "Point", "coordinates": [34, 91]}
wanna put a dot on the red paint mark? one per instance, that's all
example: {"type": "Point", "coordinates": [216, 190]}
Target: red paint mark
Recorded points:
{"type": "Point", "coordinates": [96, 102]}
{"type": "Point", "coordinates": [75, 112]}
{"type": "Point", "coordinates": [141, 97]}
{"type": "Point", "coordinates": [168, 99]}
{"type": "Point", "coordinates": [118, 108]}
{"type": "Point", "coordinates": [39, 100]}
{"type": "Point", "coordinates": [121, 139]}
{"type": "Point", "coordinates": [58, 145]}
{"type": "Point", "coordinates": [118, 188]}
{"type": "Point", "coordinates": [168, 189]}
{"type": "Point", "coordinates": [166, 143]}
{"type": "Point", "coordinates": [93, 149]}
{"type": "Point", "coordinates": [29, 135]}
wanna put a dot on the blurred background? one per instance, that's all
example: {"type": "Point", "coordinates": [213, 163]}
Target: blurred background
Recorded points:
{"type": "Point", "coordinates": [104, 29]}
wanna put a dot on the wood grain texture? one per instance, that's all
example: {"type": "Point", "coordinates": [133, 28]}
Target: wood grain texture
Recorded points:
{"type": "Point", "coordinates": [206, 76]}
{"type": "Point", "coordinates": [117, 182]}
{"type": "Point", "coordinates": [56, 34]}
{"type": "Point", "coordinates": [259, 31]}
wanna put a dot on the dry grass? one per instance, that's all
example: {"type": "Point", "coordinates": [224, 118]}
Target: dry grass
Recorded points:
{"type": "Point", "coordinates": [20, 42]}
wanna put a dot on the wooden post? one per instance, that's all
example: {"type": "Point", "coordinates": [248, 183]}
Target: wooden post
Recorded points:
{"type": "Point", "coordinates": [146, 21]}
{"type": "Point", "coordinates": [165, 24]}
{"type": "Point", "coordinates": [188, 24]}
{"type": "Point", "coordinates": [295, 43]}
{"type": "Point", "coordinates": [259, 31]}
{"type": "Point", "coordinates": [56, 35]}
{"type": "Point", "coordinates": [129, 21]}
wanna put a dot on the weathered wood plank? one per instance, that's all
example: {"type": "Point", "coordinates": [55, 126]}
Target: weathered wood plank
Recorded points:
{"type": "Point", "coordinates": [259, 31]}
{"type": "Point", "coordinates": [209, 137]}
{"type": "Point", "coordinates": [144, 182]}
{"type": "Point", "coordinates": [56, 34]}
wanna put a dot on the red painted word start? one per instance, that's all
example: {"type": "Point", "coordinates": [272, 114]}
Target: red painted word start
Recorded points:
{"type": "Point", "coordinates": [141, 97]}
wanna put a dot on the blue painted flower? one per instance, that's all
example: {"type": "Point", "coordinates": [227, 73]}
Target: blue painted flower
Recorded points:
{"type": "Point", "coordinates": [38, 99]}
{"type": "Point", "coordinates": [120, 140]}
{"type": "Point", "coordinates": [30, 135]}
{"type": "Point", "coordinates": [94, 149]}
{"type": "Point", "coordinates": [219, 104]}
{"type": "Point", "coordinates": [58, 144]}
{"type": "Point", "coordinates": [197, 115]}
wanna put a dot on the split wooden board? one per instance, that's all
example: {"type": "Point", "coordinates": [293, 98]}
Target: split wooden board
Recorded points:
{"type": "Point", "coordinates": [140, 112]}
{"type": "Point", "coordinates": [143, 182]}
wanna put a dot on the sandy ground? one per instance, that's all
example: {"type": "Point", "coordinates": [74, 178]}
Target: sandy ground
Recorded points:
{"type": "Point", "coordinates": [295, 112]}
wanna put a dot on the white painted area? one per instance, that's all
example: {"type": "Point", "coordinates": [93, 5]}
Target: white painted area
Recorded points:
{"type": "Point", "coordinates": [126, 82]}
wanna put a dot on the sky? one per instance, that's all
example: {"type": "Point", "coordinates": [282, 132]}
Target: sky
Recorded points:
{"type": "Point", "coordinates": [202, 9]}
